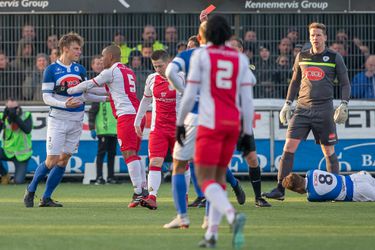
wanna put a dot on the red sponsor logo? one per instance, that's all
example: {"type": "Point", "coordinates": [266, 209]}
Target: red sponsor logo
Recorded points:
{"type": "Point", "coordinates": [314, 73]}
{"type": "Point", "coordinates": [71, 81]}
{"type": "Point", "coordinates": [332, 136]}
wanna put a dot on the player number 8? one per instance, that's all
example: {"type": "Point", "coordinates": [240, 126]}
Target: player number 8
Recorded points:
{"type": "Point", "coordinates": [325, 179]}
{"type": "Point", "coordinates": [224, 73]}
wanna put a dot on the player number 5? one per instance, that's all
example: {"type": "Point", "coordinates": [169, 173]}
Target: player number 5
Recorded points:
{"type": "Point", "coordinates": [131, 83]}
{"type": "Point", "coordinates": [224, 73]}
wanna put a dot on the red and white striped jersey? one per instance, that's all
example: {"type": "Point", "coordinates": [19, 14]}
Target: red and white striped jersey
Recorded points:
{"type": "Point", "coordinates": [119, 81]}
{"type": "Point", "coordinates": [222, 74]}
{"type": "Point", "coordinates": [165, 102]}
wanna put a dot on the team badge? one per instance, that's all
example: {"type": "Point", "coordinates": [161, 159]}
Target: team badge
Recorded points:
{"type": "Point", "coordinates": [76, 68]}
{"type": "Point", "coordinates": [325, 58]}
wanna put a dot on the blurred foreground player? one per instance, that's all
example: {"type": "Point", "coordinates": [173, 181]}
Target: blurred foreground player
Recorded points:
{"type": "Point", "coordinates": [221, 75]}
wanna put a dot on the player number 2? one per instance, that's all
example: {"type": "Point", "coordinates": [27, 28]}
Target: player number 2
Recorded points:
{"type": "Point", "coordinates": [224, 73]}
{"type": "Point", "coordinates": [131, 83]}
{"type": "Point", "coordinates": [325, 179]}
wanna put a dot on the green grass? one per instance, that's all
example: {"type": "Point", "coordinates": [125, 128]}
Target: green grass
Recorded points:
{"type": "Point", "coordinates": [97, 217]}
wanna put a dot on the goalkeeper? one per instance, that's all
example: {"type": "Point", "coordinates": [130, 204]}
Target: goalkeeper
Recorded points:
{"type": "Point", "coordinates": [314, 71]}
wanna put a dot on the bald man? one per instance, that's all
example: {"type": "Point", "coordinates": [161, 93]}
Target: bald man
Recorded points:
{"type": "Point", "coordinates": [363, 84]}
{"type": "Point", "coordinates": [119, 81]}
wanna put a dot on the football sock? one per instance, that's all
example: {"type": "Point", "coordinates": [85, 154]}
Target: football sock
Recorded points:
{"type": "Point", "coordinates": [255, 179]}
{"type": "Point", "coordinates": [154, 180]}
{"type": "Point", "coordinates": [332, 164]}
{"type": "Point", "coordinates": [54, 179]}
{"type": "Point", "coordinates": [187, 178]}
{"type": "Point", "coordinates": [230, 178]}
{"type": "Point", "coordinates": [214, 220]}
{"type": "Point", "coordinates": [179, 193]}
{"type": "Point", "coordinates": [39, 174]}
{"type": "Point", "coordinates": [143, 175]}
{"type": "Point", "coordinates": [285, 168]}
{"type": "Point", "coordinates": [134, 169]}
{"type": "Point", "coordinates": [197, 189]}
{"type": "Point", "coordinates": [216, 195]}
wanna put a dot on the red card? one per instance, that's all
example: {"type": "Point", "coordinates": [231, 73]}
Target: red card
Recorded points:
{"type": "Point", "coordinates": [209, 9]}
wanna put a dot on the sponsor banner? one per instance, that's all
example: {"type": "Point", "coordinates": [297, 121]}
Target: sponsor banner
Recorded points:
{"type": "Point", "coordinates": [170, 6]}
{"type": "Point", "coordinates": [353, 155]}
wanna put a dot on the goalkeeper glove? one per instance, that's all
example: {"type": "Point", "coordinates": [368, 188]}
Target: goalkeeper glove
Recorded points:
{"type": "Point", "coordinates": [286, 113]}
{"type": "Point", "coordinates": [341, 113]}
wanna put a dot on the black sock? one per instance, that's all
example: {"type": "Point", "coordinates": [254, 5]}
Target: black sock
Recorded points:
{"type": "Point", "coordinates": [255, 179]}
{"type": "Point", "coordinates": [285, 168]}
{"type": "Point", "coordinates": [332, 164]}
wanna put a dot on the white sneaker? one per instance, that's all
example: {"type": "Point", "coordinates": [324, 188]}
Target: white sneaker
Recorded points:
{"type": "Point", "coordinates": [205, 222]}
{"type": "Point", "coordinates": [178, 222]}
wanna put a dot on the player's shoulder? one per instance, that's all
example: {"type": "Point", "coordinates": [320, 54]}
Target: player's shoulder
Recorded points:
{"type": "Point", "coordinates": [185, 54]}
{"type": "Point", "coordinates": [151, 78]}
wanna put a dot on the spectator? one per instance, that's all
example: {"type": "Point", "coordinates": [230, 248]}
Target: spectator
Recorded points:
{"type": "Point", "coordinates": [16, 141]}
{"type": "Point", "coordinates": [23, 65]}
{"type": "Point", "coordinates": [285, 47]}
{"type": "Point", "coordinates": [96, 66]}
{"type": "Point", "coordinates": [102, 124]}
{"type": "Point", "coordinates": [9, 78]}
{"type": "Point", "coordinates": [119, 40]}
{"type": "Point", "coordinates": [293, 35]}
{"type": "Point", "coordinates": [149, 36]}
{"type": "Point", "coordinates": [339, 47]}
{"type": "Point", "coordinates": [52, 43]}
{"type": "Point", "coordinates": [363, 84]}
{"type": "Point", "coordinates": [193, 42]}
{"type": "Point", "coordinates": [282, 76]}
{"type": "Point", "coordinates": [54, 55]}
{"type": "Point", "coordinates": [171, 40]}
{"type": "Point", "coordinates": [250, 42]}
{"type": "Point", "coordinates": [181, 46]}
{"type": "Point", "coordinates": [147, 50]}
{"type": "Point", "coordinates": [264, 66]}
{"type": "Point", "coordinates": [297, 48]}
{"type": "Point", "coordinates": [140, 71]}
{"type": "Point", "coordinates": [32, 85]}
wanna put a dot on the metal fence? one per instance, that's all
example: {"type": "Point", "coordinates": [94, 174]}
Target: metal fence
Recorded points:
{"type": "Point", "coordinates": [271, 41]}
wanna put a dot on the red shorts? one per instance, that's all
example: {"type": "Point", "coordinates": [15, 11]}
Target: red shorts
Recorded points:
{"type": "Point", "coordinates": [215, 147]}
{"type": "Point", "coordinates": [159, 143]}
{"type": "Point", "coordinates": [126, 135]}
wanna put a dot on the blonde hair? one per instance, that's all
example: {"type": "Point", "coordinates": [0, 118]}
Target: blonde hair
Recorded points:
{"type": "Point", "coordinates": [316, 25]}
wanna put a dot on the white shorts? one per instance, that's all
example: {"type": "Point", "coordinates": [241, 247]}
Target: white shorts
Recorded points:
{"type": "Point", "coordinates": [363, 186]}
{"type": "Point", "coordinates": [62, 136]}
{"type": "Point", "coordinates": [186, 152]}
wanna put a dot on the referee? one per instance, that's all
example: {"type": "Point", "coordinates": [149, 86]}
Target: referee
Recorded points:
{"type": "Point", "coordinates": [314, 71]}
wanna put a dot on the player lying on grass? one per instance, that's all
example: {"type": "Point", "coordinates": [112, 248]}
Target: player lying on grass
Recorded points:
{"type": "Point", "coordinates": [323, 186]}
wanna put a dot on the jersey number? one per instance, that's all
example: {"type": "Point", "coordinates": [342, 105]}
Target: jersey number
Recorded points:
{"type": "Point", "coordinates": [327, 179]}
{"type": "Point", "coordinates": [224, 73]}
{"type": "Point", "coordinates": [131, 83]}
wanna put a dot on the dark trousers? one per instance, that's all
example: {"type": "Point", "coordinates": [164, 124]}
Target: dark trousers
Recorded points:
{"type": "Point", "coordinates": [106, 144]}
{"type": "Point", "coordinates": [20, 167]}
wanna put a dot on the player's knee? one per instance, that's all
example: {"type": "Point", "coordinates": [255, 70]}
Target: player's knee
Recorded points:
{"type": "Point", "coordinates": [128, 153]}
{"type": "Point", "coordinates": [291, 145]}
{"type": "Point", "coordinates": [51, 161]}
{"type": "Point", "coordinates": [156, 162]}
{"type": "Point", "coordinates": [178, 169]}
{"type": "Point", "coordinates": [252, 159]}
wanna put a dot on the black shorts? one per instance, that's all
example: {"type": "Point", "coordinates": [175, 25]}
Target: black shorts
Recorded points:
{"type": "Point", "coordinates": [319, 121]}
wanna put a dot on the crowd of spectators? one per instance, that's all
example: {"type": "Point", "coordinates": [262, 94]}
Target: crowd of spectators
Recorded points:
{"type": "Point", "coordinates": [23, 63]}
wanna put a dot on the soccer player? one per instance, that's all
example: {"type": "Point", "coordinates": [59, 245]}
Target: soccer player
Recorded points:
{"type": "Point", "coordinates": [314, 72]}
{"type": "Point", "coordinates": [164, 101]}
{"type": "Point", "coordinates": [324, 186]}
{"type": "Point", "coordinates": [119, 81]}
{"type": "Point", "coordinates": [64, 125]}
{"type": "Point", "coordinates": [251, 155]}
{"type": "Point", "coordinates": [221, 75]}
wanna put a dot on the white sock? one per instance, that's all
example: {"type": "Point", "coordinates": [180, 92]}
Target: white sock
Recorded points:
{"type": "Point", "coordinates": [217, 197]}
{"type": "Point", "coordinates": [187, 179]}
{"type": "Point", "coordinates": [134, 169]}
{"type": "Point", "coordinates": [154, 180]}
{"type": "Point", "coordinates": [143, 175]}
{"type": "Point", "coordinates": [214, 219]}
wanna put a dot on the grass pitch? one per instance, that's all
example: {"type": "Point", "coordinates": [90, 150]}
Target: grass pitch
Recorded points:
{"type": "Point", "coordinates": [97, 217]}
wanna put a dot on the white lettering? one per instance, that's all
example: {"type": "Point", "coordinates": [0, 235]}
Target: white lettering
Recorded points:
{"type": "Point", "coordinates": [77, 165]}
{"type": "Point", "coordinates": [262, 161]}
{"type": "Point", "coordinates": [367, 161]}
{"type": "Point", "coordinates": [314, 5]}
{"type": "Point", "coordinates": [9, 4]}
{"type": "Point", "coordinates": [39, 4]}
{"type": "Point", "coordinates": [271, 5]}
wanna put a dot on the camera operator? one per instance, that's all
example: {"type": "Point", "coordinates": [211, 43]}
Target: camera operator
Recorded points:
{"type": "Point", "coordinates": [16, 140]}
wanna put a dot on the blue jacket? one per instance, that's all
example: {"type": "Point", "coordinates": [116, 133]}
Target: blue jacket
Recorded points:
{"type": "Point", "coordinates": [363, 87]}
